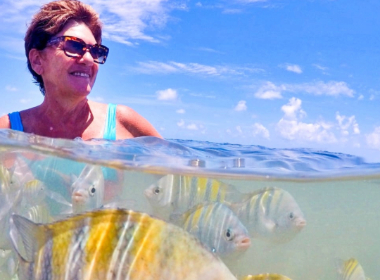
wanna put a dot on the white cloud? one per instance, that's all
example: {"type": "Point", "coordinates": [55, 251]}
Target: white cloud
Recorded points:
{"type": "Point", "coordinates": [331, 88]}
{"type": "Point", "coordinates": [153, 67]}
{"type": "Point", "coordinates": [373, 139]}
{"type": "Point", "coordinates": [291, 128]}
{"type": "Point", "coordinates": [372, 97]}
{"type": "Point", "coordinates": [293, 109]}
{"type": "Point", "coordinates": [11, 88]}
{"type": "Point", "coordinates": [361, 97]}
{"type": "Point", "coordinates": [25, 101]}
{"type": "Point", "coordinates": [238, 128]}
{"type": "Point", "coordinates": [181, 111]}
{"type": "Point", "coordinates": [125, 21]}
{"type": "Point", "coordinates": [293, 68]}
{"type": "Point", "coordinates": [269, 91]}
{"type": "Point", "coordinates": [181, 123]}
{"type": "Point", "coordinates": [345, 123]}
{"type": "Point", "coordinates": [241, 106]}
{"type": "Point", "coordinates": [260, 130]}
{"type": "Point", "coordinates": [320, 67]}
{"type": "Point", "coordinates": [192, 126]}
{"type": "Point", "coordinates": [167, 94]}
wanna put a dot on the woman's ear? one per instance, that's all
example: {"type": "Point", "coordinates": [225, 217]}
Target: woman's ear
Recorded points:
{"type": "Point", "coordinates": [36, 61]}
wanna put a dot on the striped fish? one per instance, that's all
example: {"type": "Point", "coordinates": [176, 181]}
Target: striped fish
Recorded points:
{"type": "Point", "coordinates": [179, 193]}
{"type": "Point", "coordinates": [271, 214]}
{"type": "Point", "coordinates": [112, 244]}
{"type": "Point", "coordinates": [266, 276]}
{"type": "Point", "coordinates": [34, 191]}
{"type": "Point", "coordinates": [217, 227]}
{"type": "Point", "coordinates": [350, 270]}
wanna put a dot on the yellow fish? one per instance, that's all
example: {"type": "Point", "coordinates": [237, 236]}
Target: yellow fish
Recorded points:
{"type": "Point", "coordinates": [350, 270]}
{"type": "Point", "coordinates": [266, 276]}
{"type": "Point", "coordinates": [112, 244]}
{"type": "Point", "coordinates": [179, 193]}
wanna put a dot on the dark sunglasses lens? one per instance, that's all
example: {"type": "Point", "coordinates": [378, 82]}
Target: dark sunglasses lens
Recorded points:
{"type": "Point", "coordinates": [99, 53]}
{"type": "Point", "coordinates": [74, 48]}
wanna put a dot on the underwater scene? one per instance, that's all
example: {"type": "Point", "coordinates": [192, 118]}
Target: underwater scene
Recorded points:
{"type": "Point", "coordinates": [148, 208]}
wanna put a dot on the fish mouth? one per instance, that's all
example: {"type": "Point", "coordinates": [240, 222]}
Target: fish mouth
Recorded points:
{"type": "Point", "coordinates": [300, 224]}
{"type": "Point", "coordinates": [243, 243]}
{"type": "Point", "coordinates": [78, 197]}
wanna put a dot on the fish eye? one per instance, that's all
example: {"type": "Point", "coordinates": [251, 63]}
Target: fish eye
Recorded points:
{"type": "Point", "coordinates": [157, 190]}
{"type": "Point", "coordinates": [291, 215]}
{"type": "Point", "coordinates": [229, 234]}
{"type": "Point", "coordinates": [92, 191]}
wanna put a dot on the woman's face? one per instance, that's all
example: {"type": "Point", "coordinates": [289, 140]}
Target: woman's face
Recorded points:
{"type": "Point", "coordinates": [69, 76]}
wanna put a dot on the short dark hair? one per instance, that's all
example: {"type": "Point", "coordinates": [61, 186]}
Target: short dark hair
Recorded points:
{"type": "Point", "coordinates": [51, 19]}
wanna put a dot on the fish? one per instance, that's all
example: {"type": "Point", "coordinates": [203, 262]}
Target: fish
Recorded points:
{"type": "Point", "coordinates": [110, 244]}
{"type": "Point", "coordinates": [8, 264]}
{"type": "Point", "coordinates": [350, 270]}
{"type": "Point", "coordinates": [216, 226]}
{"type": "Point", "coordinates": [88, 189]}
{"type": "Point", "coordinates": [175, 193]}
{"type": "Point", "coordinates": [265, 276]}
{"type": "Point", "coordinates": [270, 214]}
{"type": "Point", "coordinates": [34, 191]}
{"type": "Point", "coordinates": [7, 179]}
{"type": "Point", "coordinates": [10, 199]}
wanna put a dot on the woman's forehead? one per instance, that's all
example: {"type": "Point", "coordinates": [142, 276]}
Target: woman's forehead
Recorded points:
{"type": "Point", "coordinates": [79, 30]}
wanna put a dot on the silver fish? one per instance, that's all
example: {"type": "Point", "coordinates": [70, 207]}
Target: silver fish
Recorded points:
{"type": "Point", "coordinates": [217, 227]}
{"type": "Point", "coordinates": [88, 189]}
{"type": "Point", "coordinates": [179, 193]}
{"type": "Point", "coordinates": [271, 214]}
{"type": "Point", "coordinates": [112, 244]}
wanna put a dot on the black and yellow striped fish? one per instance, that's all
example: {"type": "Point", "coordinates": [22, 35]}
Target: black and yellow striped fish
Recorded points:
{"type": "Point", "coordinates": [271, 214]}
{"type": "Point", "coordinates": [350, 270]}
{"type": "Point", "coordinates": [112, 244]}
{"type": "Point", "coordinates": [265, 276]}
{"type": "Point", "coordinates": [179, 193]}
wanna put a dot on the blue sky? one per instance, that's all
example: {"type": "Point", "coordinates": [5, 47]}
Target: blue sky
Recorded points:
{"type": "Point", "coordinates": [277, 73]}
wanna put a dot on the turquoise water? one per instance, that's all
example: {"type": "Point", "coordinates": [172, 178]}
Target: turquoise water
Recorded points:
{"type": "Point", "coordinates": [337, 193]}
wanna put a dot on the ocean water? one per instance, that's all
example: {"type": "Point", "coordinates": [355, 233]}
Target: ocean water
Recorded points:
{"type": "Point", "coordinates": [337, 193]}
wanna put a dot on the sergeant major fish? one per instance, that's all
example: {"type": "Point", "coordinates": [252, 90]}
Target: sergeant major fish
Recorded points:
{"type": "Point", "coordinates": [265, 276]}
{"type": "Point", "coordinates": [216, 226]}
{"type": "Point", "coordinates": [179, 193]}
{"type": "Point", "coordinates": [112, 244]}
{"type": "Point", "coordinates": [350, 270]}
{"type": "Point", "coordinates": [271, 214]}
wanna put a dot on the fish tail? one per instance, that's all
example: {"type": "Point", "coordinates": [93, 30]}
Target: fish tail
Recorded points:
{"type": "Point", "coordinates": [31, 236]}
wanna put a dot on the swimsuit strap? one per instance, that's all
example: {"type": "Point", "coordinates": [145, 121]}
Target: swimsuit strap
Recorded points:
{"type": "Point", "coordinates": [110, 125]}
{"type": "Point", "coordinates": [15, 121]}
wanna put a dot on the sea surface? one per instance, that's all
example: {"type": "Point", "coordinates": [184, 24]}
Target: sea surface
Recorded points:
{"type": "Point", "coordinates": [337, 193]}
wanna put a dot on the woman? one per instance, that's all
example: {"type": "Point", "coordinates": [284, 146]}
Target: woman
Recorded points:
{"type": "Point", "coordinates": [63, 50]}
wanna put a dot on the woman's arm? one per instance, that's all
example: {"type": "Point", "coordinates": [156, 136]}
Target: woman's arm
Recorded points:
{"type": "Point", "coordinates": [132, 124]}
{"type": "Point", "coordinates": [4, 122]}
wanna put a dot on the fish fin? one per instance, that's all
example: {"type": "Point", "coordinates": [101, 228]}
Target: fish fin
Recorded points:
{"type": "Point", "coordinates": [121, 204]}
{"type": "Point", "coordinates": [339, 265]}
{"type": "Point", "coordinates": [31, 235]}
{"type": "Point", "coordinates": [177, 218]}
{"type": "Point", "coordinates": [194, 230]}
{"type": "Point", "coordinates": [270, 225]}
{"type": "Point", "coordinates": [57, 197]}
{"type": "Point", "coordinates": [247, 196]}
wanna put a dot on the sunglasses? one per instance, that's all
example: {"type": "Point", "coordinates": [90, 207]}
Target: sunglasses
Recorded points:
{"type": "Point", "coordinates": [75, 47]}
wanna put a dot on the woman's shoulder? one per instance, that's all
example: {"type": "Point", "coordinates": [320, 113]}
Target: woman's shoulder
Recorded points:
{"type": "Point", "coordinates": [4, 122]}
{"type": "Point", "coordinates": [134, 123]}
